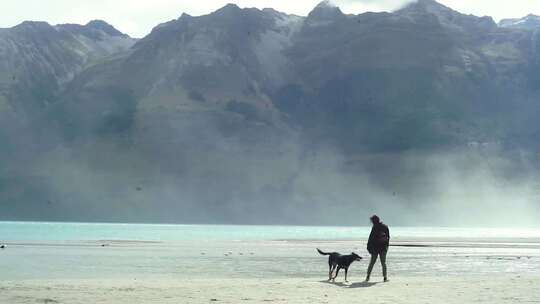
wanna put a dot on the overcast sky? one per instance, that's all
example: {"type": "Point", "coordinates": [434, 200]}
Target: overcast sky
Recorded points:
{"type": "Point", "coordinates": [138, 17]}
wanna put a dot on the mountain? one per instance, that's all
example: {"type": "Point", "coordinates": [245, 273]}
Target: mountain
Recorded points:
{"type": "Point", "coordinates": [38, 59]}
{"type": "Point", "coordinates": [325, 13]}
{"type": "Point", "coordinates": [449, 18]}
{"type": "Point", "coordinates": [531, 22]}
{"type": "Point", "coordinates": [256, 116]}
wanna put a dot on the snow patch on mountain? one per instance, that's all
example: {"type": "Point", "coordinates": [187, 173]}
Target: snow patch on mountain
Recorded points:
{"type": "Point", "coordinates": [527, 22]}
{"type": "Point", "coordinates": [270, 46]}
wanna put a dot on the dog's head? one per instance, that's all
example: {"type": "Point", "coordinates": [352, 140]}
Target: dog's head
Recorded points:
{"type": "Point", "coordinates": [356, 256]}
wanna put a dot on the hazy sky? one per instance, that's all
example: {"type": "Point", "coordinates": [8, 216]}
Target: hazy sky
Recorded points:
{"type": "Point", "coordinates": [138, 17]}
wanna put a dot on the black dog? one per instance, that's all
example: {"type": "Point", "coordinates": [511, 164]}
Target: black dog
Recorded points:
{"type": "Point", "coordinates": [336, 260]}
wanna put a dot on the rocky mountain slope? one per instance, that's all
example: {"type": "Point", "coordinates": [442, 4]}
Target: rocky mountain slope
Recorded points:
{"type": "Point", "coordinates": [38, 59]}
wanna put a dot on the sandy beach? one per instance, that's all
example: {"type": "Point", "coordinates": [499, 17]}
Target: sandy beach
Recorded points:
{"type": "Point", "coordinates": [504, 289]}
{"type": "Point", "coordinates": [425, 266]}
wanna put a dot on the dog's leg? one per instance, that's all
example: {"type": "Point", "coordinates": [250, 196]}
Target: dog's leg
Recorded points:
{"type": "Point", "coordinates": [337, 272]}
{"type": "Point", "coordinates": [332, 272]}
{"type": "Point", "coordinates": [346, 271]}
{"type": "Point", "coordinates": [330, 269]}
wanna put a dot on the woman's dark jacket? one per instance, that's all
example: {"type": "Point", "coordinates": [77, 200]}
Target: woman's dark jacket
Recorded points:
{"type": "Point", "coordinates": [379, 239]}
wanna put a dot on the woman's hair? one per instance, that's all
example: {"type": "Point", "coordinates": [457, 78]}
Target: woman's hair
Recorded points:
{"type": "Point", "coordinates": [375, 219]}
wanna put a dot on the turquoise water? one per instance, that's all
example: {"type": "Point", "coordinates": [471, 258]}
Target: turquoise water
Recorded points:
{"type": "Point", "coordinates": [103, 251]}
{"type": "Point", "coordinates": [43, 232]}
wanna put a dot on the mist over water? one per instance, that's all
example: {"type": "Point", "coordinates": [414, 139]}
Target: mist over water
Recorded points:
{"type": "Point", "coordinates": [287, 183]}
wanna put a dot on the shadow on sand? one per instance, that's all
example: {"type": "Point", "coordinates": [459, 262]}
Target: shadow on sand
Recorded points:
{"type": "Point", "coordinates": [353, 285]}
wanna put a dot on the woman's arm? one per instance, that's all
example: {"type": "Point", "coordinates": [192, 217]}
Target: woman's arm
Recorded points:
{"type": "Point", "coordinates": [370, 240]}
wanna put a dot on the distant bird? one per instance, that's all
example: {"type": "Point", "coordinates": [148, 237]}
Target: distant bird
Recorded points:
{"type": "Point", "coordinates": [3, 247]}
{"type": "Point", "coordinates": [139, 188]}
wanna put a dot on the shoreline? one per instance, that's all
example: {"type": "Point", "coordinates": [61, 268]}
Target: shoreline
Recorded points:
{"type": "Point", "coordinates": [424, 243]}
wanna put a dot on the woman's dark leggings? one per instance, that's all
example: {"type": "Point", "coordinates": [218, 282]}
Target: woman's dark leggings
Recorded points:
{"type": "Point", "coordinates": [374, 259]}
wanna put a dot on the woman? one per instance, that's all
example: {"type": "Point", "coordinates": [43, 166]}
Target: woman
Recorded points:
{"type": "Point", "coordinates": [379, 240]}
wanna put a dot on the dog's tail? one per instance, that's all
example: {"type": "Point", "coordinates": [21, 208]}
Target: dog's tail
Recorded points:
{"type": "Point", "coordinates": [322, 252]}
